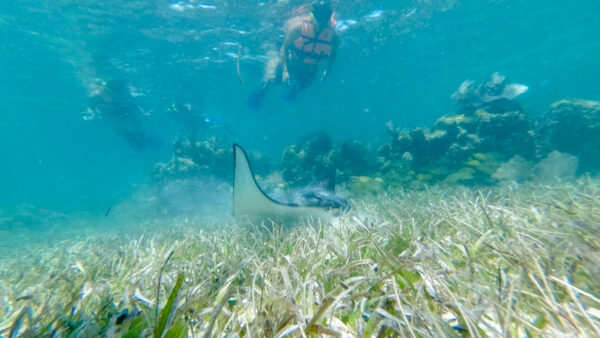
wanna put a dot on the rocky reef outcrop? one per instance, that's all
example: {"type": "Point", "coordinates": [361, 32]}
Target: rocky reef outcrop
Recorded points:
{"type": "Point", "coordinates": [210, 157]}
{"type": "Point", "coordinates": [486, 142]}
{"type": "Point", "coordinates": [476, 142]}
{"type": "Point", "coordinates": [572, 126]}
{"type": "Point", "coordinates": [311, 162]}
{"type": "Point", "coordinates": [355, 159]}
{"type": "Point", "coordinates": [491, 138]}
{"type": "Point", "coordinates": [316, 161]}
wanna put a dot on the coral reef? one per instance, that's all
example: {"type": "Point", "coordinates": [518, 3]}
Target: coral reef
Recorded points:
{"type": "Point", "coordinates": [311, 162]}
{"type": "Point", "coordinates": [573, 126]}
{"type": "Point", "coordinates": [355, 159]}
{"type": "Point", "coordinates": [516, 169]}
{"type": "Point", "coordinates": [203, 158]}
{"type": "Point", "coordinates": [480, 141]}
{"type": "Point", "coordinates": [211, 157]}
{"type": "Point", "coordinates": [490, 139]}
{"type": "Point", "coordinates": [556, 166]}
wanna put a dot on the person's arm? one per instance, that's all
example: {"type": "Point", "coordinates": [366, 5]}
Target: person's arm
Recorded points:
{"type": "Point", "coordinates": [288, 44]}
{"type": "Point", "coordinates": [331, 59]}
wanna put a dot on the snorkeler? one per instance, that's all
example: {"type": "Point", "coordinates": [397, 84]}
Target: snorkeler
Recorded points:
{"type": "Point", "coordinates": [309, 40]}
{"type": "Point", "coordinates": [196, 124]}
{"type": "Point", "coordinates": [114, 102]}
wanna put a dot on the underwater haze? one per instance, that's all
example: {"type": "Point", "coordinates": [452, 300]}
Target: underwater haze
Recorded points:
{"type": "Point", "coordinates": [398, 61]}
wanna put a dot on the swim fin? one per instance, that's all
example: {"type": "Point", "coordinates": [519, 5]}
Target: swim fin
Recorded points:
{"type": "Point", "coordinates": [290, 95]}
{"type": "Point", "coordinates": [255, 100]}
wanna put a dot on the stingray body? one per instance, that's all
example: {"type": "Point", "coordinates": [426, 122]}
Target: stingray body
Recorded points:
{"type": "Point", "coordinates": [250, 202]}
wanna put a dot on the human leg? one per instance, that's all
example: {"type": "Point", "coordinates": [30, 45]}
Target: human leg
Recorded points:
{"type": "Point", "coordinates": [302, 79]}
{"type": "Point", "coordinates": [272, 75]}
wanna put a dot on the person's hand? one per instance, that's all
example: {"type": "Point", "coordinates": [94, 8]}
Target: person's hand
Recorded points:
{"type": "Point", "coordinates": [285, 77]}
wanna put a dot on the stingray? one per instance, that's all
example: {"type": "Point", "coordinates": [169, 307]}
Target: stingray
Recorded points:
{"type": "Point", "coordinates": [250, 202]}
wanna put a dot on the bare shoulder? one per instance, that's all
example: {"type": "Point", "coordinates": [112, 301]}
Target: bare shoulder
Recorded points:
{"type": "Point", "coordinates": [293, 24]}
{"type": "Point", "coordinates": [295, 32]}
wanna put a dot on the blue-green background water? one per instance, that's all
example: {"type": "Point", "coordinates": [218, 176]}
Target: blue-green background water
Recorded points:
{"type": "Point", "coordinates": [400, 64]}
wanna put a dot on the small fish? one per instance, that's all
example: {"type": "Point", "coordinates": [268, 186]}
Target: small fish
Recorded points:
{"type": "Point", "coordinates": [374, 14]}
{"type": "Point", "coordinates": [107, 212]}
{"type": "Point", "coordinates": [342, 25]}
{"type": "Point", "coordinates": [88, 115]}
{"type": "Point", "coordinates": [177, 7]}
{"type": "Point", "coordinates": [207, 6]}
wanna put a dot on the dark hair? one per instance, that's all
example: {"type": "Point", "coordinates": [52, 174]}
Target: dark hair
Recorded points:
{"type": "Point", "coordinates": [321, 10]}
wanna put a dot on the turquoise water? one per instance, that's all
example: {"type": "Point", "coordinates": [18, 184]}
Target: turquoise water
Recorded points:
{"type": "Point", "coordinates": [399, 61]}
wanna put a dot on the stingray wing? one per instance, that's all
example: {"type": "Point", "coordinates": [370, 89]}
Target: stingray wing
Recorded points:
{"type": "Point", "coordinates": [251, 202]}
